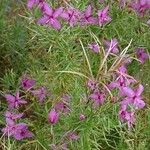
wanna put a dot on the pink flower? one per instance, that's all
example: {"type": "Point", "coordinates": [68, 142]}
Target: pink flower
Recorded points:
{"type": "Point", "coordinates": [134, 97]}
{"type": "Point", "coordinates": [14, 101]}
{"type": "Point", "coordinates": [32, 3]}
{"type": "Point", "coordinates": [53, 117]}
{"type": "Point", "coordinates": [97, 97]}
{"type": "Point", "coordinates": [122, 3]}
{"type": "Point", "coordinates": [114, 45]}
{"type": "Point", "coordinates": [103, 17]}
{"type": "Point", "coordinates": [87, 17]}
{"type": "Point", "coordinates": [63, 104]}
{"type": "Point", "coordinates": [92, 84]}
{"type": "Point", "coordinates": [50, 18]}
{"type": "Point", "coordinates": [11, 117]}
{"type": "Point", "coordinates": [18, 131]}
{"type": "Point", "coordinates": [82, 117]}
{"type": "Point", "coordinates": [142, 55]}
{"type": "Point", "coordinates": [94, 47]}
{"type": "Point", "coordinates": [72, 16]}
{"type": "Point", "coordinates": [22, 132]}
{"type": "Point", "coordinates": [27, 83]}
{"type": "Point", "coordinates": [40, 94]}
{"type": "Point", "coordinates": [73, 135]}
{"type": "Point", "coordinates": [128, 117]}
{"type": "Point", "coordinates": [141, 6]}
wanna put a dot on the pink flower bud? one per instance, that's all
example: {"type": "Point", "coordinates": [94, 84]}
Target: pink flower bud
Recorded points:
{"type": "Point", "coordinates": [53, 116]}
{"type": "Point", "coordinates": [82, 117]}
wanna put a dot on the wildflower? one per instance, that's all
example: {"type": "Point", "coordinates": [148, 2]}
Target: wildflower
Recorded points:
{"type": "Point", "coordinates": [142, 55]}
{"type": "Point", "coordinates": [128, 117]}
{"type": "Point", "coordinates": [134, 97]}
{"type": "Point", "coordinates": [21, 131]}
{"type": "Point", "coordinates": [141, 6]}
{"type": "Point", "coordinates": [62, 106]}
{"type": "Point", "coordinates": [14, 101]}
{"type": "Point", "coordinates": [82, 117]}
{"type": "Point", "coordinates": [27, 83]}
{"type": "Point", "coordinates": [71, 15]}
{"type": "Point", "coordinates": [114, 45]}
{"type": "Point", "coordinates": [122, 3]}
{"type": "Point", "coordinates": [32, 3]}
{"type": "Point", "coordinates": [87, 17]}
{"type": "Point", "coordinates": [97, 97]}
{"type": "Point", "coordinates": [18, 131]}
{"type": "Point", "coordinates": [59, 146]}
{"type": "Point", "coordinates": [11, 117]}
{"type": "Point", "coordinates": [51, 18]}
{"type": "Point", "coordinates": [92, 84]}
{"type": "Point", "coordinates": [72, 135]}
{"type": "Point", "coordinates": [53, 117]}
{"type": "Point", "coordinates": [40, 94]}
{"type": "Point", "coordinates": [103, 17]}
{"type": "Point", "coordinates": [95, 47]}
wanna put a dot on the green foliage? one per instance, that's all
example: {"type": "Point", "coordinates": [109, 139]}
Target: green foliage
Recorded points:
{"type": "Point", "coordinates": [42, 52]}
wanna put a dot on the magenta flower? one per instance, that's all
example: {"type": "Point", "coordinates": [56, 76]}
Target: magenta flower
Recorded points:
{"type": "Point", "coordinates": [73, 135]}
{"type": "Point", "coordinates": [97, 97]}
{"type": "Point", "coordinates": [72, 16]}
{"type": "Point", "coordinates": [141, 6]}
{"type": "Point", "coordinates": [134, 97]}
{"type": "Point", "coordinates": [53, 117]}
{"type": "Point", "coordinates": [141, 55]}
{"type": "Point", "coordinates": [21, 131]}
{"type": "Point", "coordinates": [40, 94]}
{"type": "Point", "coordinates": [87, 17]}
{"type": "Point", "coordinates": [63, 104]}
{"type": "Point", "coordinates": [14, 101]}
{"type": "Point", "coordinates": [128, 117]}
{"type": "Point", "coordinates": [50, 18]}
{"type": "Point", "coordinates": [12, 117]}
{"type": "Point", "coordinates": [103, 17]}
{"type": "Point", "coordinates": [92, 84]}
{"type": "Point", "coordinates": [94, 47]}
{"type": "Point", "coordinates": [82, 117]}
{"type": "Point", "coordinates": [18, 131]}
{"type": "Point", "coordinates": [63, 146]}
{"type": "Point", "coordinates": [114, 45]}
{"type": "Point", "coordinates": [32, 3]}
{"type": "Point", "coordinates": [122, 3]}
{"type": "Point", "coordinates": [27, 83]}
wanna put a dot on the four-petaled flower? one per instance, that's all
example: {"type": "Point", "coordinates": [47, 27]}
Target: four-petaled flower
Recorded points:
{"type": "Point", "coordinates": [94, 47]}
{"type": "Point", "coordinates": [142, 55]}
{"type": "Point", "coordinates": [97, 97]}
{"type": "Point", "coordinates": [11, 117]}
{"type": "Point", "coordinates": [14, 101]}
{"type": "Point", "coordinates": [114, 45]}
{"type": "Point", "coordinates": [18, 131]}
{"type": "Point", "coordinates": [134, 97]}
{"type": "Point", "coordinates": [87, 17]}
{"type": "Point", "coordinates": [103, 17]}
{"type": "Point", "coordinates": [50, 18]}
{"type": "Point", "coordinates": [32, 3]}
{"type": "Point", "coordinates": [71, 15]}
{"type": "Point", "coordinates": [27, 83]}
{"type": "Point", "coordinates": [40, 94]}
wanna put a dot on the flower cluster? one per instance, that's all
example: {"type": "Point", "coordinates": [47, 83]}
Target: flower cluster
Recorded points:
{"type": "Point", "coordinates": [20, 130]}
{"type": "Point", "coordinates": [122, 81]}
{"type": "Point", "coordinates": [52, 17]}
